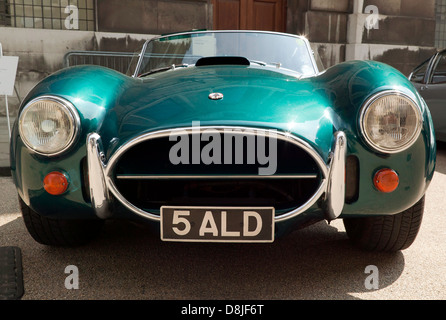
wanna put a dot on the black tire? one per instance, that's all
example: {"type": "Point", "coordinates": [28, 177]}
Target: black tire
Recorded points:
{"type": "Point", "coordinates": [386, 233]}
{"type": "Point", "coordinates": [59, 232]}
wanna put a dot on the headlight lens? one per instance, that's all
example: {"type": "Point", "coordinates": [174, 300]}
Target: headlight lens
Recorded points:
{"type": "Point", "coordinates": [48, 125]}
{"type": "Point", "coordinates": [390, 121]}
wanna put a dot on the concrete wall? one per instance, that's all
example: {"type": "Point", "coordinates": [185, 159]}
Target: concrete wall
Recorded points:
{"type": "Point", "coordinates": [41, 52]}
{"type": "Point", "coordinates": [153, 16]}
{"type": "Point", "coordinates": [404, 37]}
{"type": "Point", "coordinates": [324, 23]}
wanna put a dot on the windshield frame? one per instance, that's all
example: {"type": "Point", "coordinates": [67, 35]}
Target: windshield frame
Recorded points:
{"type": "Point", "coordinates": [304, 39]}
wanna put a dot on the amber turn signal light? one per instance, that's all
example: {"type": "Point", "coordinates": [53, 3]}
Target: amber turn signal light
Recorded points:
{"type": "Point", "coordinates": [55, 183]}
{"type": "Point", "coordinates": [386, 180]}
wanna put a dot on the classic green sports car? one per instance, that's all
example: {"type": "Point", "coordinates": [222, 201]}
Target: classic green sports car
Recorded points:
{"type": "Point", "coordinates": [225, 136]}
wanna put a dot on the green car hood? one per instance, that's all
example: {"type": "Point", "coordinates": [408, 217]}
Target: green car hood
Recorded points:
{"type": "Point", "coordinates": [252, 97]}
{"type": "Point", "coordinates": [120, 108]}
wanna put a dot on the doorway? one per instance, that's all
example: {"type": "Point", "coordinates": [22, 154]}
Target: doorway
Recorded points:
{"type": "Point", "coordinates": [269, 15]}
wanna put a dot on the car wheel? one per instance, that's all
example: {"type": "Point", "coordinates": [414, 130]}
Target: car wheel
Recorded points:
{"type": "Point", "coordinates": [58, 232]}
{"type": "Point", "coordinates": [386, 233]}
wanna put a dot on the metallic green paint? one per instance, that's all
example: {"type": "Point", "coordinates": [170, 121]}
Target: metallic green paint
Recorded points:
{"type": "Point", "coordinates": [120, 108]}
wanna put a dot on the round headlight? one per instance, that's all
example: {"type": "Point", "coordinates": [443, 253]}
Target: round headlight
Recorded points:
{"type": "Point", "coordinates": [390, 121]}
{"type": "Point", "coordinates": [48, 125]}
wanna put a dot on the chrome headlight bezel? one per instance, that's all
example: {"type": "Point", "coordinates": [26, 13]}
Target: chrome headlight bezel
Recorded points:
{"type": "Point", "coordinates": [68, 109]}
{"type": "Point", "coordinates": [365, 109]}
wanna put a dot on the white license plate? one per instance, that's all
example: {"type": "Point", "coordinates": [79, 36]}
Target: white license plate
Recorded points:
{"type": "Point", "coordinates": [217, 224]}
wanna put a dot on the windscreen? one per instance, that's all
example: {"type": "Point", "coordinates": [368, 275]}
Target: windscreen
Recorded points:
{"type": "Point", "coordinates": [260, 48]}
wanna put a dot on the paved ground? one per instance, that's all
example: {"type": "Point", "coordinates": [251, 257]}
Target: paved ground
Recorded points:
{"type": "Point", "coordinates": [127, 261]}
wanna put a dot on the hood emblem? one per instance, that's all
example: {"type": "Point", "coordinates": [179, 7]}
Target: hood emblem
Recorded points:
{"type": "Point", "coordinates": [215, 96]}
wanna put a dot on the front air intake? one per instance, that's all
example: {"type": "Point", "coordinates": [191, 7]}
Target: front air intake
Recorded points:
{"type": "Point", "coordinates": [144, 177]}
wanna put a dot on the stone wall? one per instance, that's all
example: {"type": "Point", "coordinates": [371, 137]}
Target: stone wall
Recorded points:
{"type": "Point", "coordinates": [324, 23]}
{"type": "Point", "coordinates": [153, 16]}
{"type": "Point", "coordinates": [404, 36]}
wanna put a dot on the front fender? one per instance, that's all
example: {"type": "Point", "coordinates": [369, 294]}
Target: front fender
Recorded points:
{"type": "Point", "coordinates": [349, 85]}
{"type": "Point", "coordinates": [93, 91]}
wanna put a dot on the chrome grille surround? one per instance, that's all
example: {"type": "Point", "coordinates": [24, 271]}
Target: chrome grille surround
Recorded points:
{"type": "Point", "coordinates": [334, 191]}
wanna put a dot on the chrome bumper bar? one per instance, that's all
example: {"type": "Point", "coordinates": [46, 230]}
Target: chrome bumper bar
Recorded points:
{"type": "Point", "coordinates": [96, 175]}
{"type": "Point", "coordinates": [332, 186]}
{"type": "Point", "coordinates": [335, 195]}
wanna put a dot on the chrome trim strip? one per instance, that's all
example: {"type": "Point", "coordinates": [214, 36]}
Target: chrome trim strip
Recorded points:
{"type": "Point", "coordinates": [108, 170]}
{"type": "Point", "coordinates": [367, 105]}
{"type": "Point", "coordinates": [208, 176]}
{"type": "Point", "coordinates": [335, 196]}
{"type": "Point", "coordinates": [98, 188]}
{"type": "Point", "coordinates": [75, 119]}
{"type": "Point", "coordinates": [141, 58]}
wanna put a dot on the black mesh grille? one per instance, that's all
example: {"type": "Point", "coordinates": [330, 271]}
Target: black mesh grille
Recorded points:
{"type": "Point", "coordinates": [151, 158]}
